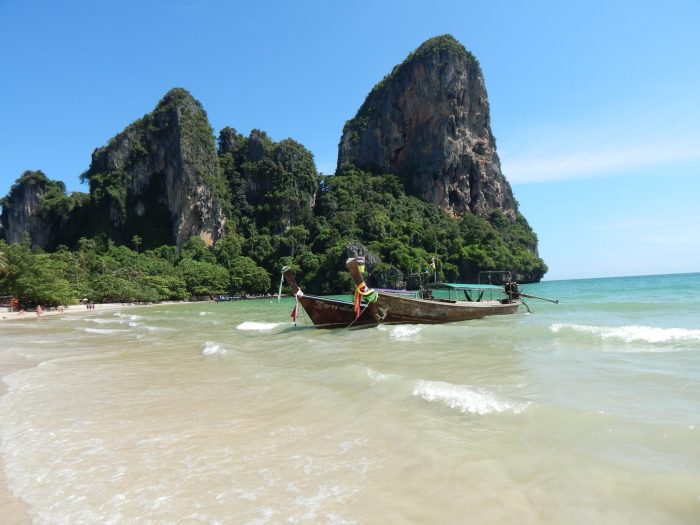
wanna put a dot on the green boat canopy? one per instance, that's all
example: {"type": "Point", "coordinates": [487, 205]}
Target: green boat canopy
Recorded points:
{"type": "Point", "coordinates": [461, 286]}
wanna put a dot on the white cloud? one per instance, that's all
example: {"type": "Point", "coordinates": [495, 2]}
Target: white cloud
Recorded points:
{"type": "Point", "coordinates": [580, 161]}
{"type": "Point", "coordinates": [593, 148]}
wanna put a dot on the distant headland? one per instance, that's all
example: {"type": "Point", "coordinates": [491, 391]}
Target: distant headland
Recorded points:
{"type": "Point", "coordinates": [172, 212]}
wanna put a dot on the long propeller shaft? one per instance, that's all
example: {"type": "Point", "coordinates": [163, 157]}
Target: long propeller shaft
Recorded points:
{"type": "Point", "coordinates": [555, 301]}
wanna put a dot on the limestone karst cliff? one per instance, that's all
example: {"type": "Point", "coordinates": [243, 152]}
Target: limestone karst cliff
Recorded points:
{"type": "Point", "coordinates": [159, 178]}
{"type": "Point", "coordinates": [25, 212]}
{"type": "Point", "coordinates": [428, 123]}
{"type": "Point", "coordinates": [422, 132]}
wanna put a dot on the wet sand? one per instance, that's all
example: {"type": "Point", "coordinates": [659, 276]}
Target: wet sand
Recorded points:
{"type": "Point", "coordinates": [13, 511]}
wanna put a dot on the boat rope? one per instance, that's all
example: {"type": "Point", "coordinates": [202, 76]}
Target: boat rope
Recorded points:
{"type": "Point", "coordinates": [356, 318]}
{"type": "Point", "coordinates": [364, 292]}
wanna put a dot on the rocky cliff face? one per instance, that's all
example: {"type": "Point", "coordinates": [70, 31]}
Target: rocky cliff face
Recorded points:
{"type": "Point", "coordinates": [159, 178]}
{"type": "Point", "coordinates": [23, 210]}
{"type": "Point", "coordinates": [428, 123]}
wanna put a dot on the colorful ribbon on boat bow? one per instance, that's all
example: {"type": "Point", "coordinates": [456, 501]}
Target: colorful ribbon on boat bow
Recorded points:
{"type": "Point", "coordinates": [363, 292]}
{"type": "Point", "coordinates": [295, 311]}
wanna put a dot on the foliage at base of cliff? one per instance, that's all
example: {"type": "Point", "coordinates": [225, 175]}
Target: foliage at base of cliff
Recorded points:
{"type": "Point", "coordinates": [352, 208]}
{"type": "Point", "coordinates": [405, 233]}
{"type": "Point", "coordinates": [104, 272]}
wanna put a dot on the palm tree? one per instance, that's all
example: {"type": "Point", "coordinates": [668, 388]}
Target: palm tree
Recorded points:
{"type": "Point", "coordinates": [136, 241]}
{"type": "Point", "coordinates": [4, 263]}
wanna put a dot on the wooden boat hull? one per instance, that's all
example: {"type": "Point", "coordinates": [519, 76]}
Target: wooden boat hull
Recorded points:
{"type": "Point", "coordinates": [393, 309]}
{"type": "Point", "coordinates": [390, 308]}
{"type": "Point", "coordinates": [325, 312]}
{"type": "Point", "coordinates": [334, 313]}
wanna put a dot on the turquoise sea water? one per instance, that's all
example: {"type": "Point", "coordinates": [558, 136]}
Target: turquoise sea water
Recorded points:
{"type": "Point", "coordinates": [583, 412]}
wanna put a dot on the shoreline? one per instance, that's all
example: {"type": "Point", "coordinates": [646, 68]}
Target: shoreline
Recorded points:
{"type": "Point", "coordinates": [79, 309]}
{"type": "Point", "coordinates": [14, 510]}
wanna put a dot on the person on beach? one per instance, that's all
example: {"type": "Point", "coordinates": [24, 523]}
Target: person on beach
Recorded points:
{"type": "Point", "coordinates": [39, 311]}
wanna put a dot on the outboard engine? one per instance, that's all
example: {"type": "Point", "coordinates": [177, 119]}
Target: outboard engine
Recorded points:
{"type": "Point", "coordinates": [512, 291]}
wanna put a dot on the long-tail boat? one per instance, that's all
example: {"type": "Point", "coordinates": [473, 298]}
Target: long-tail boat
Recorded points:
{"type": "Point", "coordinates": [325, 312]}
{"type": "Point", "coordinates": [390, 308]}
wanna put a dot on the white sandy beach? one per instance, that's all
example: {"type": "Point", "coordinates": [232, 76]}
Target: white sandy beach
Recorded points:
{"type": "Point", "coordinates": [72, 310]}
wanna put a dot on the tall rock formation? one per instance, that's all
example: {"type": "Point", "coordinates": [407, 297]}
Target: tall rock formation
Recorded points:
{"type": "Point", "coordinates": [159, 178]}
{"type": "Point", "coordinates": [428, 123]}
{"type": "Point", "coordinates": [24, 212]}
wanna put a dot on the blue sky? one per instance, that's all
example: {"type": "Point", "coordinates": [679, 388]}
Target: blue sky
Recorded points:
{"type": "Point", "coordinates": [595, 105]}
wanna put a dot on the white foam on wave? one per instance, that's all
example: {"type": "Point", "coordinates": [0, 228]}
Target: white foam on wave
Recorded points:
{"type": "Point", "coordinates": [130, 317]}
{"type": "Point", "coordinates": [405, 332]}
{"type": "Point", "coordinates": [632, 333]}
{"type": "Point", "coordinates": [463, 398]}
{"type": "Point", "coordinates": [375, 376]}
{"type": "Point", "coordinates": [211, 348]}
{"type": "Point", "coordinates": [157, 329]}
{"type": "Point", "coordinates": [100, 320]}
{"type": "Point", "coordinates": [104, 330]}
{"type": "Point", "coordinates": [252, 325]}
{"type": "Point", "coordinates": [308, 508]}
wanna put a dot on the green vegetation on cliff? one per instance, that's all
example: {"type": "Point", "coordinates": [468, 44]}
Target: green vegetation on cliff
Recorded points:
{"type": "Point", "coordinates": [171, 216]}
{"type": "Point", "coordinates": [283, 213]}
{"type": "Point", "coordinates": [162, 169]}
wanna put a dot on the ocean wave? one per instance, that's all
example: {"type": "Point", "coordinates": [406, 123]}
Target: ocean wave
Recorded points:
{"type": "Point", "coordinates": [210, 348]}
{"type": "Point", "coordinates": [252, 325]}
{"type": "Point", "coordinates": [375, 376]}
{"type": "Point", "coordinates": [104, 330]}
{"type": "Point", "coordinates": [101, 320]}
{"type": "Point", "coordinates": [404, 332]}
{"type": "Point", "coordinates": [631, 333]}
{"type": "Point", "coordinates": [130, 317]}
{"type": "Point", "coordinates": [157, 329]}
{"type": "Point", "coordinates": [463, 398]}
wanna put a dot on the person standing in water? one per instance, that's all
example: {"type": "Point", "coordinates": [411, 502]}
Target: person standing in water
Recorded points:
{"type": "Point", "coordinates": [39, 311]}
